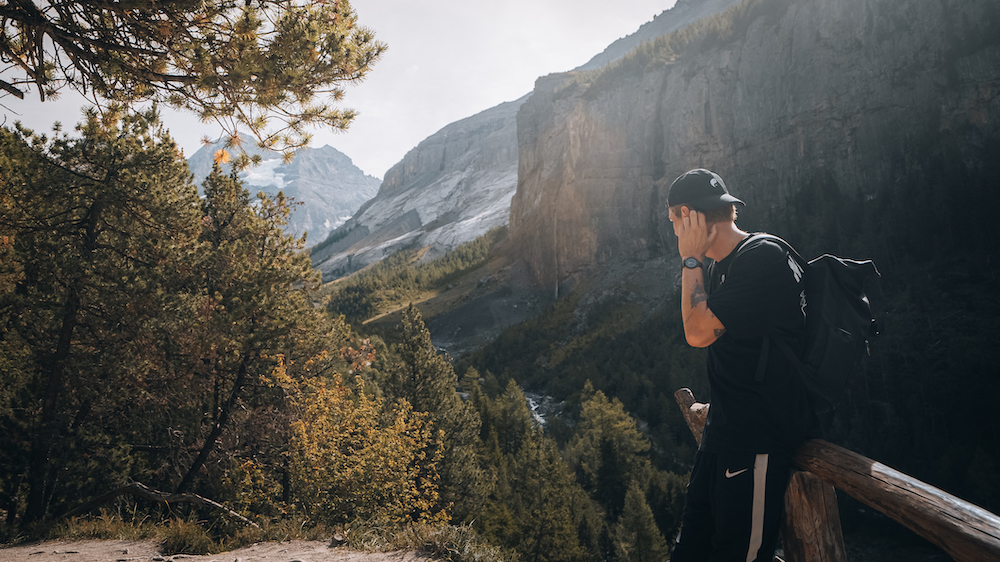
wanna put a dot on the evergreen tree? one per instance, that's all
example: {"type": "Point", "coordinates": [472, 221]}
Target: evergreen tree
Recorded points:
{"type": "Point", "coordinates": [665, 497]}
{"type": "Point", "coordinates": [536, 506]}
{"type": "Point", "coordinates": [427, 380]}
{"type": "Point", "coordinates": [101, 230]}
{"type": "Point", "coordinates": [608, 451]}
{"type": "Point", "coordinates": [254, 306]}
{"type": "Point", "coordinates": [139, 323]}
{"type": "Point", "coordinates": [507, 418]}
{"type": "Point", "coordinates": [637, 538]}
{"type": "Point", "coordinates": [547, 502]}
{"type": "Point", "coordinates": [242, 64]}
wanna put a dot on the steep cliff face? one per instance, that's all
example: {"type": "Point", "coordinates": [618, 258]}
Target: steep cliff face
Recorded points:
{"type": "Point", "coordinates": [770, 94]}
{"type": "Point", "coordinates": [451, 188]}
{"type": "Point", "coordinates": [586, 178]}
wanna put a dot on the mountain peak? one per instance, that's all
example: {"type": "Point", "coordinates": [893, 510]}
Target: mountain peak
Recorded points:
{"type": "Point", "coordinates": [325, 181]}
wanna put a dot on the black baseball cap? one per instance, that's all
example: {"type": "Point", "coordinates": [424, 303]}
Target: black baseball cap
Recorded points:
{"type": "Point", "coordinates": [701, 190]}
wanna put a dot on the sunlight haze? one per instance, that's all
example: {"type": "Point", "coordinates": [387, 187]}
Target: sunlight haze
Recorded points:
{"type": "Point", "coordinates": [447, 60]}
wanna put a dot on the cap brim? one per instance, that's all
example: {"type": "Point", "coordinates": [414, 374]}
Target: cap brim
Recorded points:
{"type": "Point", "coordinates": [712, 201]}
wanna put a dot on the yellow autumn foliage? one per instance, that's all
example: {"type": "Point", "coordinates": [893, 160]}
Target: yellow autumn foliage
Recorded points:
{"type": "Point", "coordinates": [350, 458]}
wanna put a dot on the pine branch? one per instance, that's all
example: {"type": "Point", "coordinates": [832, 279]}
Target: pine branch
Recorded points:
{"type": "Point", "coordinates": [11, 89]}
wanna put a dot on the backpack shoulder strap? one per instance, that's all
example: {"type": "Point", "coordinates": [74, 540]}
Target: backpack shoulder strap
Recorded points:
{"type": "Point", "coordinates": [750, 242]}
{"type": "Point", "coordinates": [755, 240]}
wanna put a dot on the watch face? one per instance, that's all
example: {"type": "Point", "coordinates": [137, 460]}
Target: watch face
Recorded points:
{"type": "Point", "coordinates": [691, 263]}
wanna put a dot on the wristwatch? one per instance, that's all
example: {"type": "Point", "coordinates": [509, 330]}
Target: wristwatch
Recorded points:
{"type": "Point", "coordinates": [692, 263]}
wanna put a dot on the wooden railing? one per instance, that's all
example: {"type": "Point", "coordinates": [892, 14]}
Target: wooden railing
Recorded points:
{"type": "Point", "coordinates": [811, 529]}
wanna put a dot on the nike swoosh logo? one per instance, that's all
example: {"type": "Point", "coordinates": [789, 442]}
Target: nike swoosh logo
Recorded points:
{"type": "Point", "coordinates": [730, 474]}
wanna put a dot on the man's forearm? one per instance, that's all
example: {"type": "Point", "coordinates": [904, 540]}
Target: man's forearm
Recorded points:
{"type": "Point", "coordinates": [701, 327]}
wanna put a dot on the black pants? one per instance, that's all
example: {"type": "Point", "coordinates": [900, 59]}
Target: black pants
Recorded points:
{"type": "Point", "coordinates": [733, 508]}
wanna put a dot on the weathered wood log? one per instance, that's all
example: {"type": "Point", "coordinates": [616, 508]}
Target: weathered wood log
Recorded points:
{"type": "Point", "coordinates": [966, 532]}
{"type": "Point", "coordinates": [695, 413]}
{"type": "Point", "coordinates": [811, 530]}
{"type": "Point", "coordinates": [141, 490]}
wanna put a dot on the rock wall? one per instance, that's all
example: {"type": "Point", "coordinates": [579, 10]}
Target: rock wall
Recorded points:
{"type": "Point", "coordinates": [784, 89]}
{"type": "Point", "coordinates": [453, 187]}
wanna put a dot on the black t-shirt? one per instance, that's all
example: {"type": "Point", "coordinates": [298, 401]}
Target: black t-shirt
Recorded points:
{"type": "Point", "coordinates": [759, 294]}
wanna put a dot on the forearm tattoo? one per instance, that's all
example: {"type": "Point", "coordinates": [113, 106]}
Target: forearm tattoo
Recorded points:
{"type": "Point", "coordinates": [698, 294]}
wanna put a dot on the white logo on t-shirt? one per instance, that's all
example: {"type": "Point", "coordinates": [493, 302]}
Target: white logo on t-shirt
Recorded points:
{"type": "Point", "coordinates": [795, 267]}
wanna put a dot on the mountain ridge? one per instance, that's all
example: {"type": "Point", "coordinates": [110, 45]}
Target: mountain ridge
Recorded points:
{"type": "Point", "coordinates": [325, 185]}
{"type": "Point", "coordinates": [451, 188]}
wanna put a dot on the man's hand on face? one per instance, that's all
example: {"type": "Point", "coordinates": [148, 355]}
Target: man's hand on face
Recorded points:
{"type": "Point", "coordinates": [694, 235]}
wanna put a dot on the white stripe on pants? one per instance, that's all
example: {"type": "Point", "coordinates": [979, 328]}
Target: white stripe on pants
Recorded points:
{"type": "Point", "coordinates": [757, 521]}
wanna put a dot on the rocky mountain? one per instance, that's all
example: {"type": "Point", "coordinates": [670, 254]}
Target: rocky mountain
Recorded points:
{"type": "Point", "coordinates": [453, 187]}
{"type": "Point", "coordinates": [682, 14]}
{"type": "Point", "coordinates": [458, 183]}
{"type": "Point", "coordinates": [325, 183]}
{"type": "Point", "coordinates": [778, 96]}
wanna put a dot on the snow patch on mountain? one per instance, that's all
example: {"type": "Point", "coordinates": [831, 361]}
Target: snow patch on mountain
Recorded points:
{"type": "Point", "coordinates": [266, 174]}
{"type": "Point", "coordinates": [324, 185]}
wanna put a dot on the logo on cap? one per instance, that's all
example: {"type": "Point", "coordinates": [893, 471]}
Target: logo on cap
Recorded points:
{"type": "Point", "coordinates": [718, 186]}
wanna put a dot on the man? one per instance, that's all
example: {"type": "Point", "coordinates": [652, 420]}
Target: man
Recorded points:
{"type": "Point", "coordinates": [759, 411]}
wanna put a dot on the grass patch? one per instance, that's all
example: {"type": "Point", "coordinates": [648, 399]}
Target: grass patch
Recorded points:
{"type": "Point", "coordinates": [107, 525]}
{"type": "Point", "coordinates": [401, 278]}
{"type": "Point", "coordinates": [443, 542]}
{"type": "Point", "coordinates": [187, 536]}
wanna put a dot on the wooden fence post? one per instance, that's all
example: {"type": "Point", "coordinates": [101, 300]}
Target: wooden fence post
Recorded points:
{"type": "Point", "coordinates": [811, 530]}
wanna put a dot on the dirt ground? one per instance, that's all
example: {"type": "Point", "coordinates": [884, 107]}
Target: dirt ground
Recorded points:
{"type": "Point", "coordinates": [148, 551]}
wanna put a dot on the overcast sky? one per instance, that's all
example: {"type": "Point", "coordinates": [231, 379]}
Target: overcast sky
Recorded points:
{"type": "Point", "coordinates": [447, 60]}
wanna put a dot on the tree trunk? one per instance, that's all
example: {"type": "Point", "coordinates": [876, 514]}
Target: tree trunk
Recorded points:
{"type": "Point", "coordinates": [48, 417]}
{"type": "Point", "coordinates": [40, 485]}
{"type": "Point", "coordinates": [213, 436]}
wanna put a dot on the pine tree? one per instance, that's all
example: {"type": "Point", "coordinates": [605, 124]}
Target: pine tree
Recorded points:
{"type": "Point", "coordinates": [241, 64]}
{"type": "Point", "coordinates": [508, 418]}
{"type": "Point", "coordinates": [547, 502]}
{"type": "Point", "coordinates": [637, 538]}
{"type": "Point", "coordinates": [536, 507]}
{"type": "Point", "coordinates": [608, 451]}
{"type": "Point", "coordinates": [103, 226]}
{"type": "Point", "coordinates": [428, 382]}
{"type": "Point", "coordinates": [139, 323]}
{"type": "Point", "coordinates": [254, 306]}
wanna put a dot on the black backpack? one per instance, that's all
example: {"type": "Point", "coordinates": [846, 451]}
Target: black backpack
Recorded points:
{"type": "Point", "coordinates": [839, 323]}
